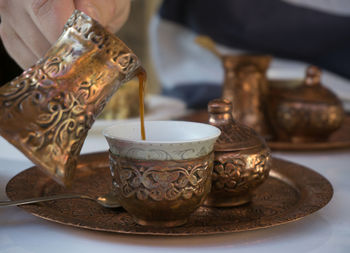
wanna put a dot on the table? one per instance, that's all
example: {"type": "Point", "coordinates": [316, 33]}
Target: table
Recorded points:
{"type": "Point", "coordinates": [327, 230]}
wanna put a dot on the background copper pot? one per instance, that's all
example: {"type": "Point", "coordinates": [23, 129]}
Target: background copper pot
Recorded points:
{"type": "Point", "coordinates": [47, 111]}
{"type": "Point", "coordinates": [246, 86]}
{"type": "Point", "coordinates": [241, 161]}
{"type": "Point", "coordinates": [305, 113]}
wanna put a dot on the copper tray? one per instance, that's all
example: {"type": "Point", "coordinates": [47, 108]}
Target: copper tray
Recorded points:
{"type": "Point", "coordinates": [338, 140]}
{"type": "Point", "coordinates": [290, 193]}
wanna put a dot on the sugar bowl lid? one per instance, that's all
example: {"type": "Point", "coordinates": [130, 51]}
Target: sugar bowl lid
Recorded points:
{"type": "Point", "coordinates": [234, 135]}
{"type": "Point", "coordinates": [311, 90]}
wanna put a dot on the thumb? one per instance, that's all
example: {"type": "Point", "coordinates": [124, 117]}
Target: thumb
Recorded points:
{"type": "Point", "coordinates": [111, 14]}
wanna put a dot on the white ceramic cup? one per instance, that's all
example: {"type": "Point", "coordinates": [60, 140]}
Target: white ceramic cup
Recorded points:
{"type": "Point", "coordinates": [165, 140]}
{"type": "Point", "coordinates": [160, 181]}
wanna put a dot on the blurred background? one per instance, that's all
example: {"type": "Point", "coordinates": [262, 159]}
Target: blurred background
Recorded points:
{"type": "Point", "coordinates": [295, 33]}
{"type": "Point", "coordinates": [135, 34]}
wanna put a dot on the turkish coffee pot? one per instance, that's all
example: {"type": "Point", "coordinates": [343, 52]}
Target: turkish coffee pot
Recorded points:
{"type": "Point", "coordinates": [246, 86]}
{"type": "Point", "coordinates": [46, 112]}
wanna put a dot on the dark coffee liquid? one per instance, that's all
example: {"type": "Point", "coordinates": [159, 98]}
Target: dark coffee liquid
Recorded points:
{"type": "Point", "coordinates": [142, 76]}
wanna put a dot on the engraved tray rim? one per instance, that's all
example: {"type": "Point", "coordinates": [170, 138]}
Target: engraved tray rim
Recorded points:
{"type": "Point", "coordinates": [314, 190]}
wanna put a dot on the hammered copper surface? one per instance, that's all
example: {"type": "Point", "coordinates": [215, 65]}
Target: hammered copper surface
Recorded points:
{"type": "Point", "coordinates": [291, 192]}
{"type": "Point", "coordinates": [47, 111]}
{"type": "Point", "coordinates": [161, 193]}
{"type": "Point", "coordinates": [242, 158]}
{"type": "Point", "coordinates": [246, 86]}
{"type": "Point", "coordinates": [234, 135]}
{"type": "Point", "coordinates": [237, 174]}
{"type": "Point", "coordinates": [306, 113]}
{"type": "Point", "coordinates": [337, 140]}
{"type": "Point", "coordinates": [340, 139]}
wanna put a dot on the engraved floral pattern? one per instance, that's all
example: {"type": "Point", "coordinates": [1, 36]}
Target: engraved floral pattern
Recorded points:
{"type": "Point", "coordinates": [276, 202]}
{"type": "Point", "coordinates": [126, 63]}
{"type": "Point", "coordinates": [159, 181]}
{"type": "Point", "coordinates": [239, 174]}
{"type": "Point", "coordinates": [293, 118]}
{"type": "Point", "coordinates": [162, 154]}
{"type": "Point", "coordinates": [165, 151]}
{"type": "Point", "coordinates": [59, 102]}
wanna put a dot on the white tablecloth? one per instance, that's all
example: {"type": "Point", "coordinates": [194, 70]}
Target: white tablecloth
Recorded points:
{"type": "Point", "coordinates": [327, 230]}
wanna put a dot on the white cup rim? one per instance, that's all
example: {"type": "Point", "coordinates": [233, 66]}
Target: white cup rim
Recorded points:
{"type": "Point", "coordinates": [214, 132]}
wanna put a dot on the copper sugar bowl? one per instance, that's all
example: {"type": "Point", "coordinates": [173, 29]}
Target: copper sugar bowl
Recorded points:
{"type": "Point", "coordinates": [242, 158]}
{"type": "Point", "coordinates": [305, 113]}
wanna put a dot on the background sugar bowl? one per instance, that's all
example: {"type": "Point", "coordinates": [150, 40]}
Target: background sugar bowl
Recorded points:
{"type": "Point", "coordinates": [305, 110]}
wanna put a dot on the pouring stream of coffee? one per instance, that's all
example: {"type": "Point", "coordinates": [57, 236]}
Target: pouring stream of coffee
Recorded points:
{"type": "Point", "coordinates": [142, 76]}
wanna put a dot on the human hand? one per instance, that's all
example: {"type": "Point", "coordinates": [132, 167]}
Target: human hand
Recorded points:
{"type": "Point", "coordinates": [29, 27]}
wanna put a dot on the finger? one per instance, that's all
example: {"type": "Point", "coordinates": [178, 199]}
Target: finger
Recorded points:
{"type": "Point", "coordinates": [27, 30]}
{"type": "Point", "coordinates": [16, 48]}
{"type": "Point", "coordinates": [120, 16]}
{"type": "Point", "coordinates": [112, 14]}
{"type": "Point", "coordinates": [50, 16]}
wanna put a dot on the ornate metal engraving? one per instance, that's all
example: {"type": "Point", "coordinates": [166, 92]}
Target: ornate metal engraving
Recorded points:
{"type": "Point", "coordinates": [236, 175]}
{"type": "Point", "coordinates": [245, 85]}
{"type": "Point", "coordinates": [47, 111]}
{"type": "Point", "coordinates": [161, 192]}
{"type": "Point", "coordinates": [290, 193]}
{"type": "Point", "coordinates": [159, 180]}
{"type": "Point", "coordinates": [316, 121]}
{"type": "Point", "coordinates": [306, 112]}
{"type": "Point", "coordinates": [241, 158]}
{"type": "Point", "coordinates": [337, 140]}
{"type": "Point", "coordinates": [239, 174]}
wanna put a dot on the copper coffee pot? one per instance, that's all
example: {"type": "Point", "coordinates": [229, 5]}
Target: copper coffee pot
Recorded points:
{"type": "Point", "coordinates": [47, 111]}
{"type": "Point", "coordinates": [245, 85]}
